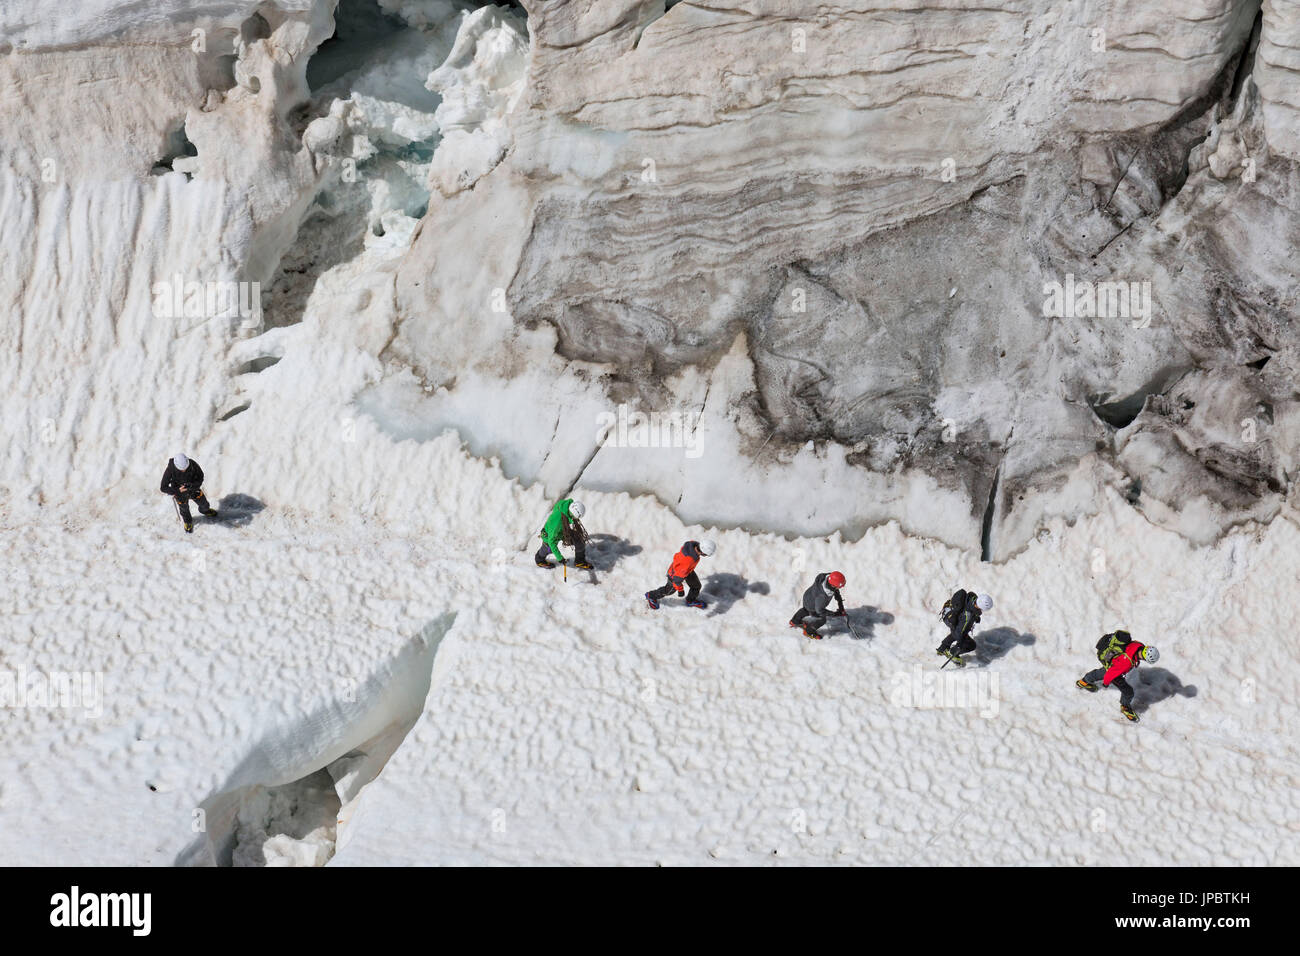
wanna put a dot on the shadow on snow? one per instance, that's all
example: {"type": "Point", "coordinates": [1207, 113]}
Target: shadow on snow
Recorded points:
{"type": "Point", "coordinates": [605, 550]}
{"type": "Point", "coordinates": [725, 589]}
{"type": "Point", "coordinates": [997, 642]}
{"type": "Point", "coordinates": [1151, 685]}
{"type": "Point", "coordinates": [238, 510]}
{"type": "Point", "coordinates": [864, 620]}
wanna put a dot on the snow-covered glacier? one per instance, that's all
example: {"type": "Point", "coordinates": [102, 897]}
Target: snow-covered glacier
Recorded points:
{"type": "Point", "coordinates": [935, 292]}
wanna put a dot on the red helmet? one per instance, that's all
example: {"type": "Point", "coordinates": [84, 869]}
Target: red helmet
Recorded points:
{"type": "Point", "coordinates": [835, 580]}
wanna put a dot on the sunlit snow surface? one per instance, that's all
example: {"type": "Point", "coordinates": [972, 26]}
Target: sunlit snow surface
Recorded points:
{"type": "Point", "coordinates": [364, 638]}
{"type": "Point", "coordinates": [569, 723]}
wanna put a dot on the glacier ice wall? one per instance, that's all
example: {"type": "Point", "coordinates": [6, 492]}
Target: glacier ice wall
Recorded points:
{"type": "Point", "coordinates": [819, 241]}
{"type": "Point", "coordinates": [870, 204]}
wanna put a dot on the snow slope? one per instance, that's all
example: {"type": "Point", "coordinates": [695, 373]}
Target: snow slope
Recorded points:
{"type": "Point", "coordinates": [582, 727]}
{"type": "Point", "coordinates": [361, 664]}
{"type": "Point", "coordinates": [568, 723]}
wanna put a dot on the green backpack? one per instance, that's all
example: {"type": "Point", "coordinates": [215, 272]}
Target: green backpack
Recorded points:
{"type": "Point", "coordinates": [1112, 645]}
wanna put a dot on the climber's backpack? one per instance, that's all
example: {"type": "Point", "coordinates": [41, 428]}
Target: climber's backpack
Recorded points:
{"type": "Point", "coordinates": [1112, 645]}
{"type": "Point", "coordinates": [954, 607]}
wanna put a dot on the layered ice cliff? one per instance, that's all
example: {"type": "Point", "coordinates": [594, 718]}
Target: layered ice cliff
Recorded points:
{"type": "Point", "coordinates": [954, 264]}
{"type": "Point", "coordinates": [834, 232]}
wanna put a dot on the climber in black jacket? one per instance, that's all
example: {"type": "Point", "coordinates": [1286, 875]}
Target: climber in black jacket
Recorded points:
{"type": "Point", "coordinates": [961, 613]}
{"type": "Point", "coordinates": [183, 480]}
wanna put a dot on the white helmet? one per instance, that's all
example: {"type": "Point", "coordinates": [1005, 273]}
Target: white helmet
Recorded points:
{"type": "Point", "coordinates": [181, 462]}
{"type": "Point", "coordinates": [707, 547]}
{"type": "Point", "coordinates": [1150, 654]}
{"type": "Point", "coordinates": [576, 509]}
{"type": "Point", "coordinates": [984, 602]}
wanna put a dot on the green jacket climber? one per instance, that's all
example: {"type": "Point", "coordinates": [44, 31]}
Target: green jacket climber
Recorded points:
{"type": "Point", "coordinates": [558, 526]}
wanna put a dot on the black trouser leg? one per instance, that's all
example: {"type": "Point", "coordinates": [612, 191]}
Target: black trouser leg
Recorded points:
{"type": "Point", "coordinates": [693, 586]}
{"type": "Point", "coordinates": [202, 499]}
{"type": "Point", "coordinates": [580, 552]}
{"type": "Point", "coordinates": [1125, 691]}
{"type": "Point", "coordinates": [542, 552]}
{"type": "Point", "coordinates": [183, 502]}
{"type": "Point", "coordinates": [959, 643]}
{"type": "Point", "coordinates": [799, 615]}
{"type": "Point", "coordinates": [660, 593]}
{"type": "Point", "coordinates": [1095, 676]}
{"type": "Point", "coordinates": [813, 621]}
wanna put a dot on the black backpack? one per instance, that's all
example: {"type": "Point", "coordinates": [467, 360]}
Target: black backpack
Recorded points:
{"type": "Point", "coordinates": [953, 607]}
